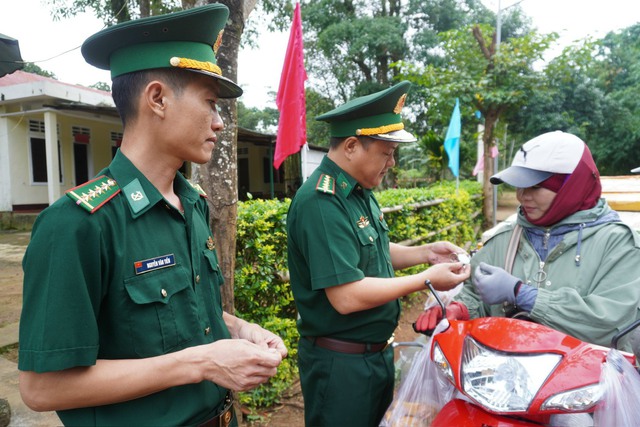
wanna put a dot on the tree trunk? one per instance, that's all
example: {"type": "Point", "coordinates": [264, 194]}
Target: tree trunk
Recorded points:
{"type": "Point", "coordinates": [487, 188]}
{"type": "Point", "coordinates": [219, 177]}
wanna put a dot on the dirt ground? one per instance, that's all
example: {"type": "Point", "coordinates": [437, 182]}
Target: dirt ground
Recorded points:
{"type": "Point", "coordinates": [12, 246]}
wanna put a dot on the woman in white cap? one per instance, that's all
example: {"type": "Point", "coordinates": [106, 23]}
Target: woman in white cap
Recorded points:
{"type": "Point", "coordinates": [568, 261]}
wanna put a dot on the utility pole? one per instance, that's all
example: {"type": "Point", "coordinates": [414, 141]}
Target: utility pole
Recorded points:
{"type": "Point", "coordinates": [495, 160]}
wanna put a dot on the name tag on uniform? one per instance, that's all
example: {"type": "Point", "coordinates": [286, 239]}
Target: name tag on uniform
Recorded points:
{"type": "Point", "coordinates": [156, 263]}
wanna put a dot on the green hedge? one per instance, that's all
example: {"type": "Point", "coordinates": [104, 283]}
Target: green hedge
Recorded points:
{"type": "Point", "coordinates": [262, 292]}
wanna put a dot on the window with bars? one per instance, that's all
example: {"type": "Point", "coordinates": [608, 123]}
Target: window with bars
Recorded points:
{"type": "Point", "coordinates": [38, 153]}
{"type": "Point", "coordinates": [116, 140]}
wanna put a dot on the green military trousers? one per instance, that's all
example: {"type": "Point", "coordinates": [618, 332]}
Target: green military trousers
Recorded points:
{"type": "Point", "coordinates": [344, 389]}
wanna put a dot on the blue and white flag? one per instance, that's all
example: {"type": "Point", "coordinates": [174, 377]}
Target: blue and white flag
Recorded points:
{"type": "Point", "coordinates": [452, 140]}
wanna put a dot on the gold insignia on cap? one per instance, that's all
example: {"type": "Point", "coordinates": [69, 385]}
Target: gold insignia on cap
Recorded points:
{"type": "Point", "coordinates": [400, 104]}
{"type": "Point", "coordinates": [363, 222]}
{"type": "Point", "coordinates": [218, 43]}
{"type": "Point", "coordinates": [380, 129]}
{"type": "Point", "coordinates": [195, 65]}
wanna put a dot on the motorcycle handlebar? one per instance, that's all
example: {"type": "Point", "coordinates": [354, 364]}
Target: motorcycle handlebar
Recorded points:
{"type": "Point", "coordinates": [622, 333]}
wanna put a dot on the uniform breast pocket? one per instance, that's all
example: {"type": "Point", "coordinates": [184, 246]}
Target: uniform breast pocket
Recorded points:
{"type": "Point", "coordinates": [163, 314]}
{"type": "Point", "coordinates": [215, 278]}
{"type": "Point", "coordinates": [368, 238]}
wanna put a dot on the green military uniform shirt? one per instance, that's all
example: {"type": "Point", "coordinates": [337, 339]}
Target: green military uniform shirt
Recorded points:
{"type": "Point", "coordinates": [336, 235]}
{"type": "Point", "coordinates": [134, 279]}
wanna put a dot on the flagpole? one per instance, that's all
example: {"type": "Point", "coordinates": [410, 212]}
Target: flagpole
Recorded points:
{"type": "Point", "coordinates": [304, 153]}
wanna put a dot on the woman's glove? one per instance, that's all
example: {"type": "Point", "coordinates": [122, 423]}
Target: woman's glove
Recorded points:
{"type": "Point", "coordinates": [429, 319]}
{"type": "Point", "coordinates": [494, 285]}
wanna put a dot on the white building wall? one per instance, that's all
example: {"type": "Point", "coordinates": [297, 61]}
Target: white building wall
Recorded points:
{"type": "Point", "coordinates": [5, 166]}
{"type": "Point", "coordinates": [314, 157]}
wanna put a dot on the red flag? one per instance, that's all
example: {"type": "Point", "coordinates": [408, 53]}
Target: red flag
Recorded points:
{"type": "Point", "coordinates": [292, 128]}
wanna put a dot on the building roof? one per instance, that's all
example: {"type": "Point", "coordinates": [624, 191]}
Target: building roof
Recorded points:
{"type": "Point", "coordinates": [22, 77]}
{"type": "Point", "coordinates": [22, 87]}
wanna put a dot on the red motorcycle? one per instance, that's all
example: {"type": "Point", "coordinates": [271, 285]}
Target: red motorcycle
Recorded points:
{"type": "Point", "coordinates": [504, 372]}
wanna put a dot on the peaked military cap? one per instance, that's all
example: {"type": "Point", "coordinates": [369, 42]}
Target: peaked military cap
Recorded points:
{"type": "Point", "coordinates": [188, 39]}
{"type": "Point", "coordinates": [376, 115]}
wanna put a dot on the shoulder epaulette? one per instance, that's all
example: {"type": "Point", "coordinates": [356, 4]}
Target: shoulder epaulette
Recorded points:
{"type": "Point", "coordinates": [326, 184]}
{"type": "Point", "coordinates": [92, 195]}
{"type": "Point", "coordinates": [199, 189]}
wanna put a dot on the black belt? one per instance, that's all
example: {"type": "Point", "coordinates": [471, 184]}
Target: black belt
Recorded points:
{"type": "Point", "coordinates": [223, 419]}
{"type": "Point", "coordinates": [349, 347]}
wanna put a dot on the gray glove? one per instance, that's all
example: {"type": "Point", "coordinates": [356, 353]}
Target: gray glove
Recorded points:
{"type": "Point", "coordinates": [494, 285]}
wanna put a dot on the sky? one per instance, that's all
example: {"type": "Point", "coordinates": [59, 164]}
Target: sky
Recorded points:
{"type": "Point", "coordinates": [55, 45]}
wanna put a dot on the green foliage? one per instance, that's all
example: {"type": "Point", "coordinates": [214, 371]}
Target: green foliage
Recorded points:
{"type": "Point", "coordinates": [102, 86]}
{"type": "Point", "coordinates": [591, 91]}
{"type": "Point", "coordinates": [261, 120]}
{"type": "Point", "coordinates": [261, 287]}
{"type": "Point", "coordinates": [411, 223]}
{"type": "Point", "coordinates": [317, 131]}
{"type": "Point", "coordinates": [30, 67]}
{"type": "Point", "coordinates": [262, 291]}
{"type": "Point", "coordinates": [269, 393]}
{"type": "Point", "coordinates": [350, 45]}
{"type": "Point", "coordinates": [114, 11]}
{"type": "Point", "coordinates": [495, 83]}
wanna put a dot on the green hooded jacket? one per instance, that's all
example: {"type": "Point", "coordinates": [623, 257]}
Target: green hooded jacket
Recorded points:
{"type": "Point", "coordinates": [592, 286]}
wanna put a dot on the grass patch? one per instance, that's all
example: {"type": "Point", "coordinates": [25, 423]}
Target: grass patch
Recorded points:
{"type": "Point", "coordinates": [10, 352]}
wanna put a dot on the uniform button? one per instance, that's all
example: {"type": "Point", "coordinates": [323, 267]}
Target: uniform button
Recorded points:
{"type": "Point", "coordinates": [207, 330]}
{"type": "Point", "coordinates": [197, 278]}
{"type": "Point", "coordinates": [163, 293]}
{"type": "Point", "coordinates": [371, 238]}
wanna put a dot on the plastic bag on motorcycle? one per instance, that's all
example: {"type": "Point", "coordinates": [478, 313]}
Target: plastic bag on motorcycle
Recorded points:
{"type": "Point", "coordinates": [620, 402]}
{"type": "Point", "coordinates": [422, 393]}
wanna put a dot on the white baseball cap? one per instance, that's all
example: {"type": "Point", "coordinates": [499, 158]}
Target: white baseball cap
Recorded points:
{"type": "Point", "coordinates": [541, 157]}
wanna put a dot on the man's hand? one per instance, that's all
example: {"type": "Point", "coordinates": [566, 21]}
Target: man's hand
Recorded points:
{"type": "Point", "coordinates": [494, 285]}
{"type": "Point", "coordinates": [445, 276]}
{"type": "Point", "coordinates": [439, 252]}
{"type": "Point", "coordinates": [429, 319]}
{"type": "Point", "coordinates": [238, 364]}
{"type": "Point", "coordinates": [262, 337]}
{"type": "Point", "coordinates": [254, 333]}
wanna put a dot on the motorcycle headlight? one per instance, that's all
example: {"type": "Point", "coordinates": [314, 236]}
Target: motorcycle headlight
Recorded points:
{"type": "Point", "coordinates": [442, 363]}
{"type": "Point", "coordinates": [578, 400]}
{"type": "Point", "coordinates": [503, 382]}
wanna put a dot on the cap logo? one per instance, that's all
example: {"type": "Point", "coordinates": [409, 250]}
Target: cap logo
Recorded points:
{"type": "Point", "coordinates": [524, 153]}
{"type": "Point", "coordinates": [218, 43]}
{"type": "Point", "coordinates": [400, 104]}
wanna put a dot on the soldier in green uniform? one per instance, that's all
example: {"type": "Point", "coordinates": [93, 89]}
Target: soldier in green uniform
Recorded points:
{"type": "Point", "coordinates": [342, 266]}
{"type": "Point", "coordinates": [122, 321]}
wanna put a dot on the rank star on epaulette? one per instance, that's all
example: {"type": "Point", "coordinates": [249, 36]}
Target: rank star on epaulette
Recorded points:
{"type": "Point", "coordinates": [199, 189]}
{"type": "Point", "coordinates": [92, 195]}
{"type": "Point", "coordinates": [326, 184]}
